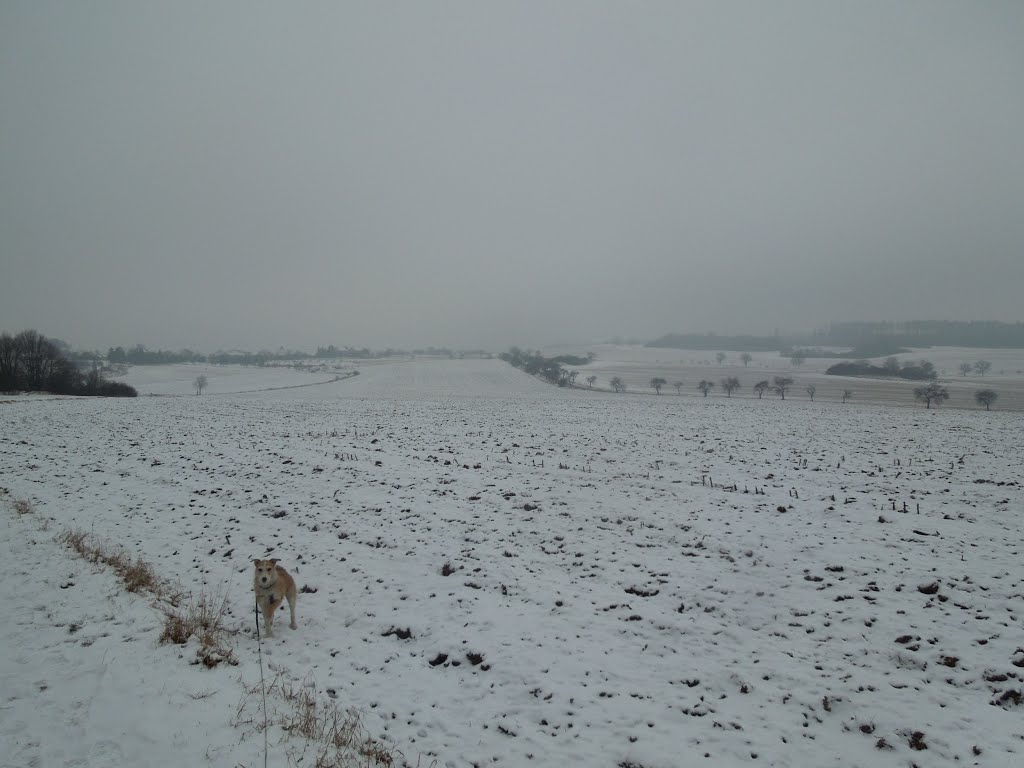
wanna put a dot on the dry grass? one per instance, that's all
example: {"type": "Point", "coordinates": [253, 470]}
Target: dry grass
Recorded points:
{"type": "Point", "coordinates": [204, 619]}
{"type": "Point", "coordinates": [317, 731]}
{"type": "Point", "coordinates": [23, 507]}
{"type": "Point", "coordinates": [137, 575]}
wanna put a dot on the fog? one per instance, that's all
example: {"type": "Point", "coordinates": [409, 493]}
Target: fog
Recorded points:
{"type": "Point", "coordinates": [220, 175]}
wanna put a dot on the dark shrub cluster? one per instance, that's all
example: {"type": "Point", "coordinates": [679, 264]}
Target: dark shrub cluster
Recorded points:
{"type": "Point", "coordinates": [549, 368]}
{"type": "Point", "coordinates": [30, 362]}
{"type": "Point", "coordinates": [923, 371]}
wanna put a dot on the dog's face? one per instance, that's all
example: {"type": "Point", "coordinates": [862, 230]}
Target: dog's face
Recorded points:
{"type": "Point", "coordinates": [266, 572]}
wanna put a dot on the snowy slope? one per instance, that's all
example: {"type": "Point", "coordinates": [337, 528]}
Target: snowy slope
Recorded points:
{"type": "Point", "coordinates": [648, 580]}
{"type": "Point", "coordinates": [84, 682]}
{"type": "Point", "coordinates": [221, 379]}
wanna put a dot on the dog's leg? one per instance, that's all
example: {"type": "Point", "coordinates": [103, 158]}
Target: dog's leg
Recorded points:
{"type": "Point", "coordinates": [291, 607]}
{"type": "Point", "coordinates": [268, 616]}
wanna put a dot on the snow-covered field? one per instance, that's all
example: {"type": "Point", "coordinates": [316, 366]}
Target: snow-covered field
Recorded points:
{"type": "Point", "coordinates": [638, 580]}
{"type": "Point", "coordinates": [221, 379]}
{"type": "Point", "coordinates": [636, 366]}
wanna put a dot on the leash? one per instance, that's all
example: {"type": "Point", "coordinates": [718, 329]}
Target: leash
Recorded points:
{"type": "Point", "coordinates": [263, 684]}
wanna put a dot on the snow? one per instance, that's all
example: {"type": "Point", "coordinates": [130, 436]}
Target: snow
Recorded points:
{"type": "Point", "coordinates": [84, 682]}
{"type": "Point", "coordinates": [221, 379]}
{"type": "Point", "coordinates": [649, 580]}
{"type": "Point", "coordinates": [636, 366]}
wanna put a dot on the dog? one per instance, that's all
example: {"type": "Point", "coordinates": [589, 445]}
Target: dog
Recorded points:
{"type": "Point", "coordinates": [272, 584]}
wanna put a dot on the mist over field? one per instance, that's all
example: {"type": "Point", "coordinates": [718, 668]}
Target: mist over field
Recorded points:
{"type": "Point", "coordinates": [245, 176]}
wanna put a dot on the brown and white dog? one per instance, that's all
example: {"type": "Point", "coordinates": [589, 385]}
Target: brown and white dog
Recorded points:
{"type": "Point", "coordinates": [272, 584]}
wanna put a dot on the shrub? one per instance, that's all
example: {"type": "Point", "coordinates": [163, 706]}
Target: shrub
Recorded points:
{"type": "Point", "coordinates": [204, 619]}
{"type": "Point", "coordinates": [923, 371]}
{"type": "Point", "coordinates": [117, 389]}
{"type": "Point", "coordinates": [330, 737]}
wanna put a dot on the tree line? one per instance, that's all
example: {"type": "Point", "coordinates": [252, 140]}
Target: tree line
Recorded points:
{"type": "Point", "coordinates": [551, 369]}
{"type": "Point", "coordinates": [363, 353]}
{"type": "Point", "coordinates": [867, 339]}
{"type": "Point", "coordinates": [933, 392]}
{"type": "Point", "coordinates": [928, 333]}
{"type": "Point", "coordinates": [141, 355]}
{"type": "Point", "coordinates": [921, 371]}
{"type": "Point", "coordinates": [30, 362]}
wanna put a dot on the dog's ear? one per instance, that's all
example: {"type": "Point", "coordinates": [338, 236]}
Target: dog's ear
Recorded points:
{"type": "Point", "coordinates": [275, 560]}
{"type": "Point", "coordinates": [256, 561]}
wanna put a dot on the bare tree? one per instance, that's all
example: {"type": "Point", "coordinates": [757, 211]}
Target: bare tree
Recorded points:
{"type": "Point", "coordinates": [810, 389]}
{"type": "Point", "coordinates": [571, 376]}
{"type": "Point", "coordinates": [847, 394]}
{"type": "Point", "coordinates": [591, 379]}
{"type": "Point", "coordinates": [10, 363]}
{"type": "Point", "coordinates": [65, 377]}
{"type": "Point", "coordinates": [932, 392]}
{"type": "Point", "coordinates": [679, 387]}
{"type": "Point", "coordinates": [618, 384]}
{"type": "Point", "coordinates": [746, 357]}
{"type": "Point", "coordinates": [720, 357]}
{"type": "Point", "coordinates": [986, 397]}
{"type": "Point", "coordinates": [31, 362]}
{"type": "Point", "coordinates": [657, 383]}
{"type": "Point", "coordinates": [705, 386]}
{"type": "Point", "coordinates": [965, 368]}
{"type": "Point", "coordinates": [891, 366]}
{"type": "Point", "coordinates": [38, 356]}
{"type": "Point", "coordinates": [200, 384]}
{"type": "Point", "coordinates": [982, 367]}
{"type": "Point", "coordinates": [798, 358]}
{"type": "Point", "coordinates": [761, 387]}
{"type": "Point", "coordinates": [730, 385]}
{"type": "Point", "coordinates": [782, 384]}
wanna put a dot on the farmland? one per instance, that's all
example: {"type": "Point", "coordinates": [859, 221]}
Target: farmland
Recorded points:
{"type": "Point", "coordinates": [497, 571]}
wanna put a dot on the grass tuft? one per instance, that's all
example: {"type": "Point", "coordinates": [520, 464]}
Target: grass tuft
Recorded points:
{"type": "Point", "coordinates": [136, 575]}
{"type": "Point", "coordinates": [321, 734]}
{"type": "Point", "coordinates": [203, 619]}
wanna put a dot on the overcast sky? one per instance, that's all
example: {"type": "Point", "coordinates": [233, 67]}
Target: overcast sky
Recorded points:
{"type": "Point", "coordinates": [240, 174]}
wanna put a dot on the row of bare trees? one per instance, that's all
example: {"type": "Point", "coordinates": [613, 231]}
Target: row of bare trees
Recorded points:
{"type": "Point", "coordinates": [745, 358]}
{"type": "Point", "coordinates": [30, 362]}
{"type": "Point", "coordinates": [551, 369]}
{"type": "Point", "coordinates": [981, 367]}
{"type": "Point", "coordinates": [780, 385]}
{"type": "Point", "coordinates": [936, 393]}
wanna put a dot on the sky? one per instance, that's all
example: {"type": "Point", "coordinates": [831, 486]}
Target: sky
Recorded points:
{"type": "Point", "coordinates": [481, 174]}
